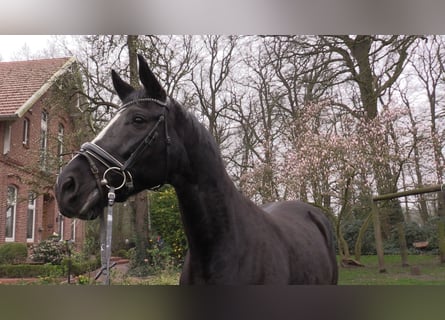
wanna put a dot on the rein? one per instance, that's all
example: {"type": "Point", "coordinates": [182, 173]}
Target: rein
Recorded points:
{"type": "Point", "coordinates": [92, 152]}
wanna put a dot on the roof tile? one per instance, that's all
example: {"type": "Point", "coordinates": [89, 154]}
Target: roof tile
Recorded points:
{"type": "Point", "coordinates": [19, 80]}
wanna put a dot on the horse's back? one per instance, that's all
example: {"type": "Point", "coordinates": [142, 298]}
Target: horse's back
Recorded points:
{"type": "Point", "coordinates": [309, 231]}
{"type": "Point", "coordinates": [297, 213]}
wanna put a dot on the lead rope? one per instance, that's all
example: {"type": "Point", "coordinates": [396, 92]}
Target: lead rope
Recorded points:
{"type": "Point", "coordinates": [106, 229]}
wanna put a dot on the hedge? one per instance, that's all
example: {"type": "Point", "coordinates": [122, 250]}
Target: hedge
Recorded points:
{"type": "Point", "coordinates": [30, 270]}
{"type": "Point", "coordinates": [46, 270]}
{"type": "Point", "coordinates": [13, 253]}
{"type": "Point", "coordinates": [80, 267]}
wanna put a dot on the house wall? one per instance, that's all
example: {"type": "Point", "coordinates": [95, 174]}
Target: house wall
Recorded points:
{"type": "Point", "coordinates": [21, 168]}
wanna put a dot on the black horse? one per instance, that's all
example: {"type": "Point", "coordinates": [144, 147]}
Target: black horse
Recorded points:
{"type": "Point", "coordinates": [152, 140]}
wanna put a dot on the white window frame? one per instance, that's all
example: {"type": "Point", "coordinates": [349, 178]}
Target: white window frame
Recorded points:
{"type": "Point", "coordinates": [44, 140]}
{"type": "Point", "coordinates": [26, 127]}
{"type": "Point", "coordinates": [31, 208]}
{"type": "Point", "coordinates": [60, 147]}
{"type": "Point", "coordinates": [61, 226]}
{"type": "Point", "coordinates": [73, 229]}
{"type": "Point", "coordinates": [7, 133]}
{"type": "Point", "coordinates": [11, 204]}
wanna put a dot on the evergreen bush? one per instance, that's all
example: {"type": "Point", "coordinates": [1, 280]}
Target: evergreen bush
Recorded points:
{"type": "Point", "coordinates": [78, 266]}
{"type": "Point", "coordinates": [49, 251]}
{"type": "Point", "coordinates": [13, 253]}
{"type": "Point", "coordinates": [29, 270]}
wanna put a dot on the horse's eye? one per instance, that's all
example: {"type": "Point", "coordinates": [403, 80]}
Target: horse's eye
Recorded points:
{"type": "Point", "coordinates": [138, 120]}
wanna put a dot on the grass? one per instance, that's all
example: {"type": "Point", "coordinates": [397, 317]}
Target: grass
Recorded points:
{"type": "Point", "coordinates": [166, 277]}
{"type": "Point", "coordinates": [431, 271]}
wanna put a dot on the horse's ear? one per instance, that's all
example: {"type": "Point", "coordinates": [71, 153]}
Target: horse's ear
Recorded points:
{"type": "Point", "coordinates": [148, 79]}
{"type": "Point", "coordinates": [122, 88]}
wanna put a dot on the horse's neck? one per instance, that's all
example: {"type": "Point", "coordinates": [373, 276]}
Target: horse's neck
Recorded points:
{"type": "Point", "coordinates": [207, 214]}
{"type": "Point", "coordinates": [206, 195]}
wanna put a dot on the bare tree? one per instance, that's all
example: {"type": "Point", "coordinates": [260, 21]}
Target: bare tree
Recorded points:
{"type": "Point", "coordinates": [209, 80]}
{"type": "Point", "coordinates": [259, 121]}
{"type": "Point", "coordinates": [428, 63]}
{"type": "Point", "coordinates": [418, 141]}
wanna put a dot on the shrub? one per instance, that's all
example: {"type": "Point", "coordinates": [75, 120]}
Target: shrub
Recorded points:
{"type": "Point", "coordinates": [49, 251]}
{"type": "Point", "coordinates": [166, 221]}
{"type": "Point", "coordinates": [83, 279]}
{"type": "Point", "coordinates": [159, 258]}
{"type": "Point", "coordinates": [79, 266]}
{"type": "Point", "coordinates": [13, 253]}
{"type": "Point", "coordinates": [123, 253]}
{"type": "Point", "coordinates": [29, 270]}
{"type": "Point", "coordinates": [351, 229]}
{"type": "Point", "coordinates": [432, 232]}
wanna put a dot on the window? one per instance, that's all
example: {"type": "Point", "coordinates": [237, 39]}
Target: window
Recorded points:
{"type": "Point", "coordinates": [11, 207]}
{"type": "Point", "coordinates": [61, 220]}
{"type": "Point", "coordinates": [7, 138]}
{"type": "Point", "coordinates": [31, 217]}
{"type": "Point", "coordinates": [25, 139]}
{"type": "Point", "coordinates": [60, 135]}
{"type": "Point", "coordinates": [43, 140]}
{"type": "Point", "coordinates": [73, 230]}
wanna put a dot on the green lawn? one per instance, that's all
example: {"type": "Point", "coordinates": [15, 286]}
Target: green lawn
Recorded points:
{"type": "Point", "coordinates": [431, 271]}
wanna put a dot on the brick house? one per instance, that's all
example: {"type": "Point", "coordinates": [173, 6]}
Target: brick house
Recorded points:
{"type": "Point", "coordinates": [37, 133]}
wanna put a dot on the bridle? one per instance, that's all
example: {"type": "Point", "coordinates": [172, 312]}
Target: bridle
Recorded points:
{"type": "Point", "coordinates": [92, 152]}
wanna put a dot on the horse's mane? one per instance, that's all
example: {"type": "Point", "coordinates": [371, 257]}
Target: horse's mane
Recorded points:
{"type": "Point", "coordinates": [197, 132]}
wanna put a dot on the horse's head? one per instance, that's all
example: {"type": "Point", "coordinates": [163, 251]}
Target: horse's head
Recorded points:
{"type": "Point", "coordinates": [130, 154]}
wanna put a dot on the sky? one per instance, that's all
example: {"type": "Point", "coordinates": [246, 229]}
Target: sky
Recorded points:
{"type": "Point", "coordinates": [10, 45]}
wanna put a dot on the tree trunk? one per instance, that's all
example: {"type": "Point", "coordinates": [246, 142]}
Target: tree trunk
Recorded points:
{"type": "Point", "coordinates": [378, 237]}
{"type": "Point", "coordinates": [139, 203]}
{"type": "Point", "coordinates": [132, 60]}
{"type": "Point", "coordinates": [441, 226]}
{"type": "Point", "coordinates": [345, 211]}
{"type": "Point", "coordinates": [140, 212]}
{"type": "Point", "coordinates": [361, 234]}
{"type": "Point", "coordinates": [118, 228]}
{"type": "Point", "coordinates": [402, 242]}
{"type": "Point", "coordinates": [343, 248]}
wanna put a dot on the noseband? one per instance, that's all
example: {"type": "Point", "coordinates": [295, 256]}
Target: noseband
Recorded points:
{"type": "Point", "coordinates": [92, 152]}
